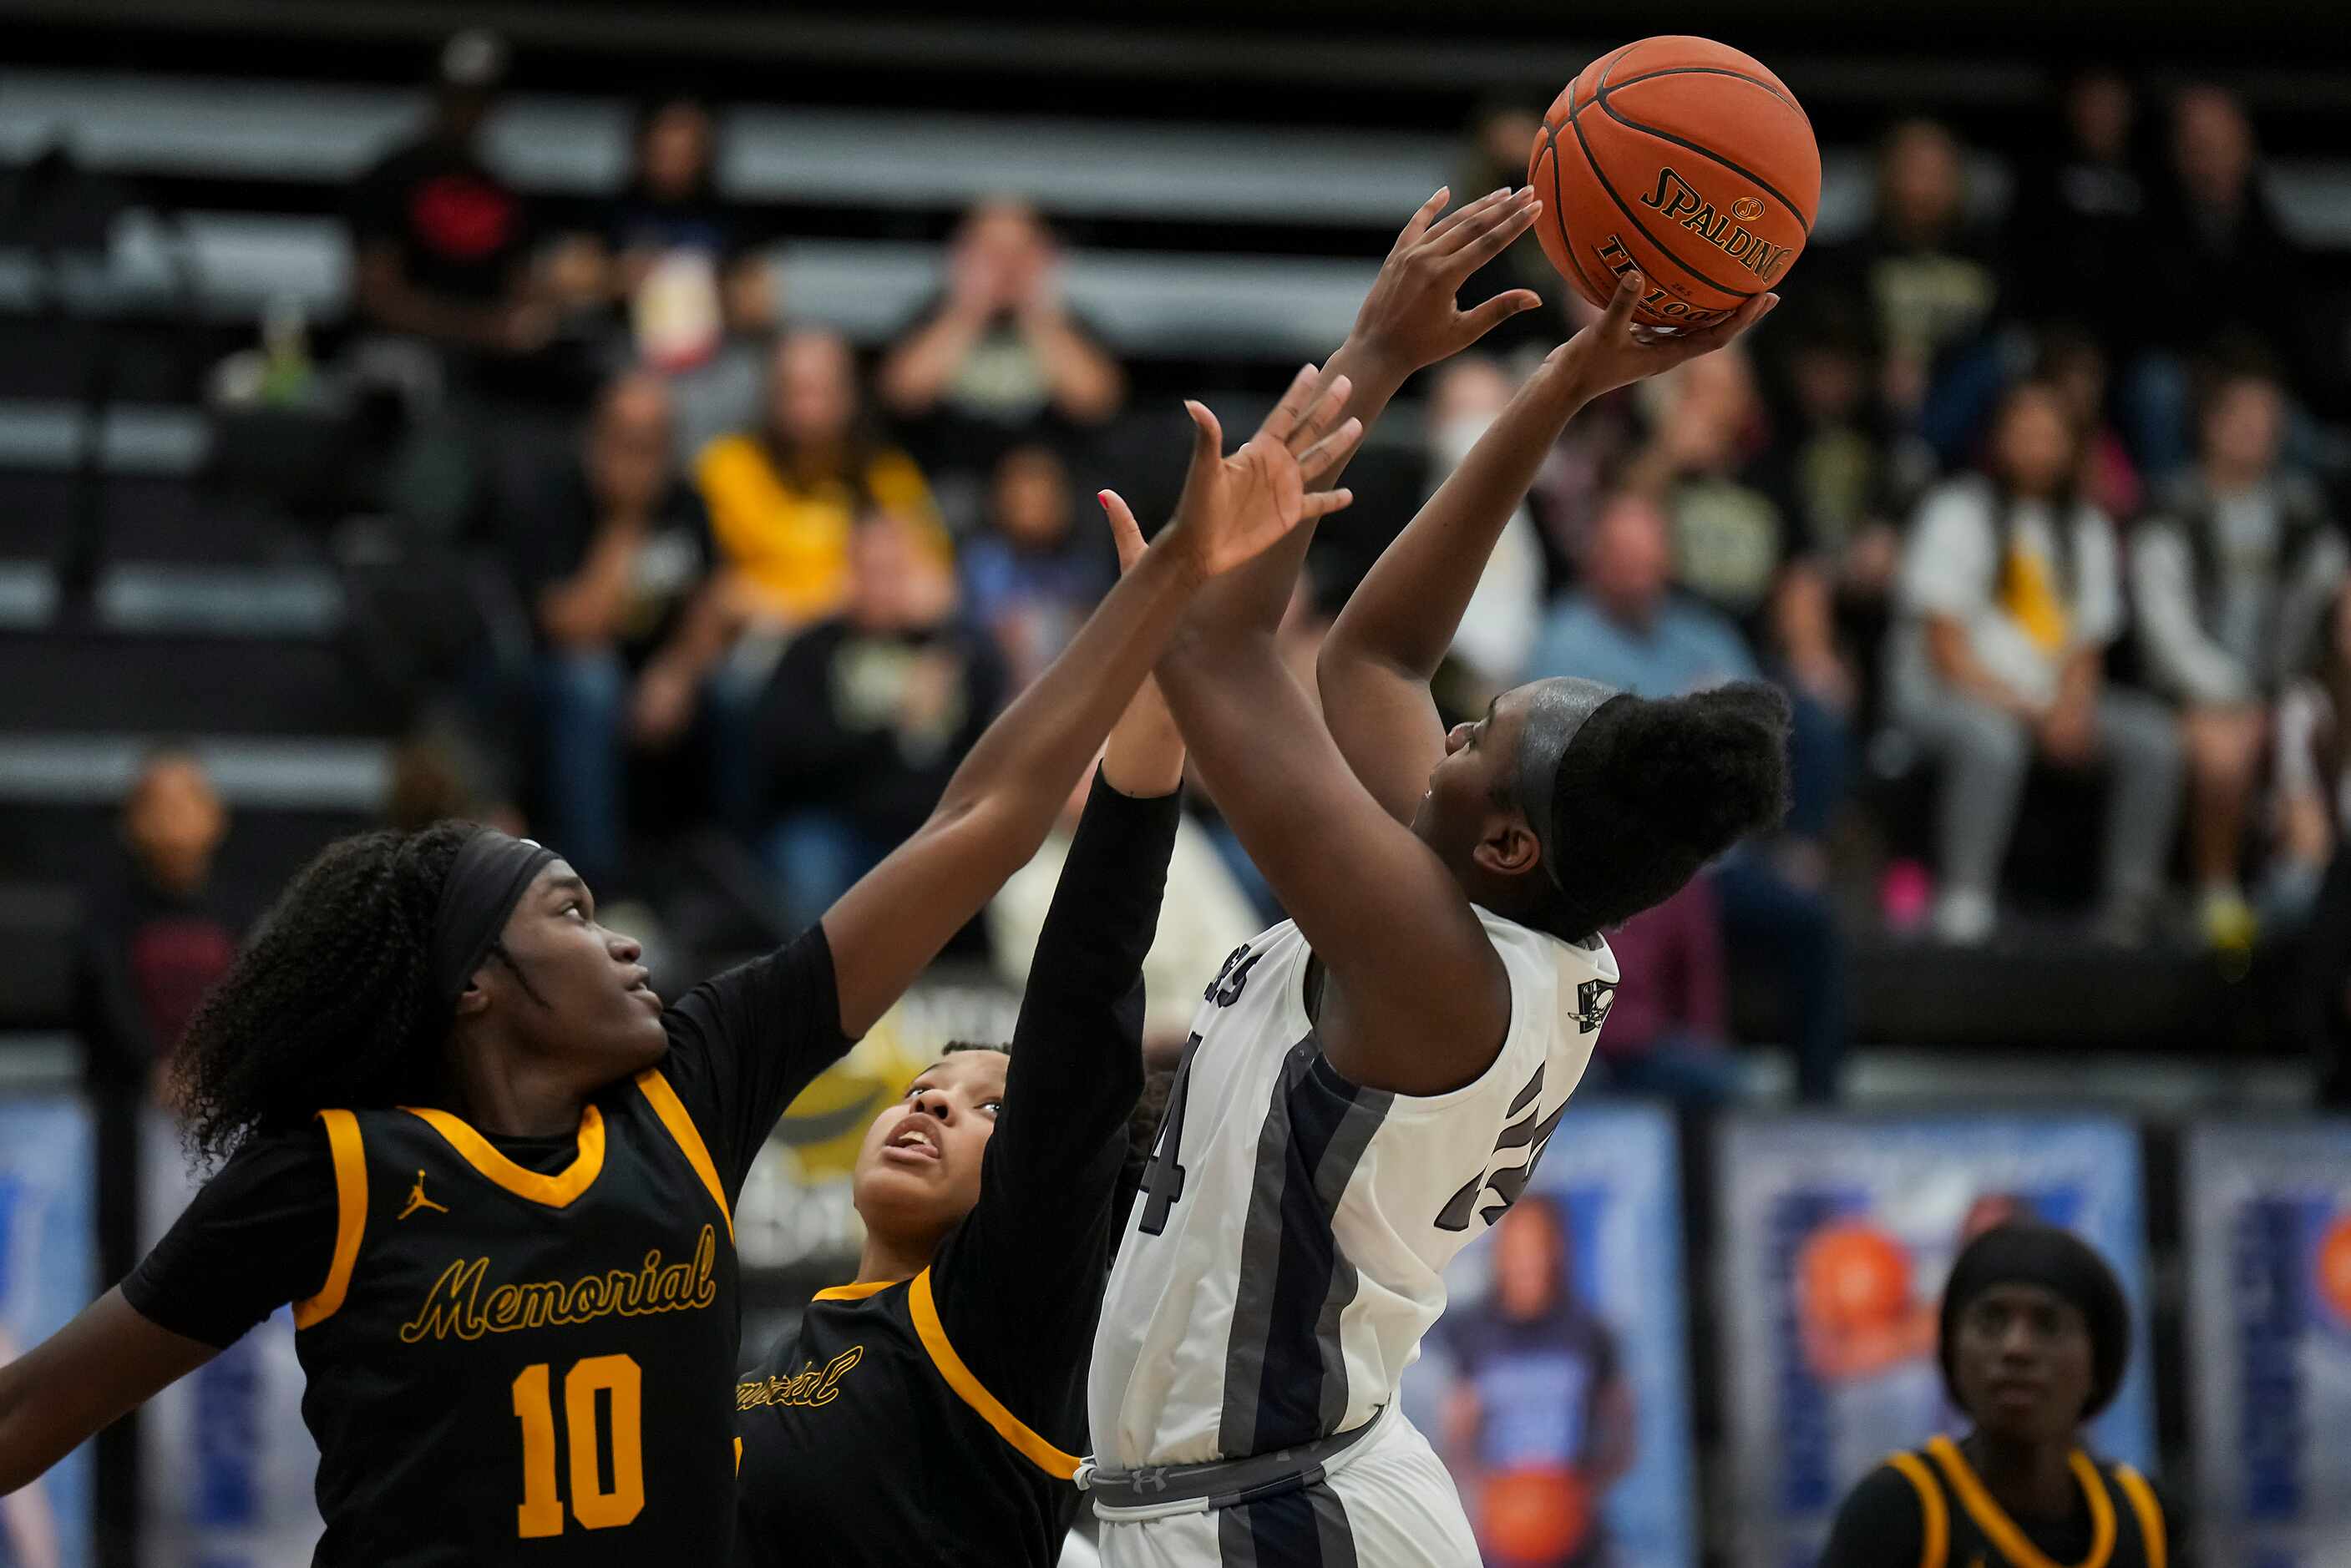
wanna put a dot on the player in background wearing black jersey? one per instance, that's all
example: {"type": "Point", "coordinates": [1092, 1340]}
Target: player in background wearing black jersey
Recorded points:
{"type": "Point", "coordinates": [930, 1412]}
{"type": "Point", "coordinates": [2034, 1334]}
{"type": "Point", "coordinates": [532, 1362]}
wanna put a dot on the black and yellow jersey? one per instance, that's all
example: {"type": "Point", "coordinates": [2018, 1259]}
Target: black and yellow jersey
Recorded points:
{"type": "Point", "coordinates": [1928, 1508]}
{"type": "Point", "coordinates": [534, 1364]}
{"type": "Point", "coordinates": [938, 1420]}
{"type": "Point", "coordinates": [517, 1349]}
{"type": "Point", "coordinates": [878, 1444]}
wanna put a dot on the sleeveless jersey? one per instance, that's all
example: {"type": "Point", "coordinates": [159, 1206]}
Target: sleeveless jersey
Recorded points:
{"type": "Point", "coordinates": [1964, 1527]}
{"type": "Point", "coordinates": [1287, 1251]}
{"type": "Point", "coordinates": [516, 1367]}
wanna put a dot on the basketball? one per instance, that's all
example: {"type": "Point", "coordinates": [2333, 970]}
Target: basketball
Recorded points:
{"type": "Point", "coordinates": [1685, 159]}
{"type": "Point", "coordinates": [1534, 1517]}
{"type": "Point", "coordinates": [2334, 1270]}
{"type": "Point", "coordinates": [1853, 1276]}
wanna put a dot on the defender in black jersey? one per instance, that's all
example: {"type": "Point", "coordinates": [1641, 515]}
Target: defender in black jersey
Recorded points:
{"type": "Point", "coordinates": [497, 1178]}
{"type": "Point", "coordinates": [932, 1411]}
{"type": "Point", "coordinates": [2034, 1336]}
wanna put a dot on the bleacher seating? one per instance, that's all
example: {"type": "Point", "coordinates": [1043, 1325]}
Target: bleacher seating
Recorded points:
{"type": "Point", "coordinates": [1202, 244]}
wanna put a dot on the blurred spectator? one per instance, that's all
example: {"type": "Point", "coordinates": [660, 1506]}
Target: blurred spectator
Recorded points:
{"type": "Point", "coordinates": [783, 498]}
{"type": "Point", "coordinates": [867, 714]}
{"type": "Point", "coordinates": [1732, 545]}
{"type": "Point", "coordinates": [2010, 596]}
{"type": "Point", "coordinates": [613, 556]}
{"type": "Point", "coordinates": [1204, 917]}
{"type": "Point", "coordinates": [1928, 273]}
{"type": "Point", "coordinates": [999, 359]}
{"type": "Point", "coordinates": [155, 936]}
{"type": "Point", "coordinates": [1032, 575]}
{"type": "Point", "coordinates": [2079, 233]}
{"type": "Point", "coordinates": [2312, 772]}
{"type": "Point", "coordinates": [1500, 625]}
{"type": "Point", "coordinates": [2075, 364]}
{"type": "Point", "coordinates": [443, 244]}
{"type": "Point", "coordinates": [1624, 627]}
{"type": "Point", "coordinates": [671, 252]}
{"type": "Point", "coordinates": [1541, 1411]}
{"type": "Point", "coordinates": [2225, 267]}
{"type": "Point", "coordinates": [2233, 581]}
{"type": "Point", "coordinates": [1667, 1029]}
{"type": "Point", "coordinates": [1839, 481]}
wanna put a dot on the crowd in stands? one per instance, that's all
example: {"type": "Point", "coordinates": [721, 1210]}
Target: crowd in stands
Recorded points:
{"type": "Point", "coordinates": [2006, 503]}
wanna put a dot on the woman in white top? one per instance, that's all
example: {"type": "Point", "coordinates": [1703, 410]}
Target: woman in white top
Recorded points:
{"type": "Point", "coordinates": [2009, 593]}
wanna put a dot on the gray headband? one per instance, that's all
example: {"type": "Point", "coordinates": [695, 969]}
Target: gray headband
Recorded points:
{"type": "Point", "coordinates": [1558, 709]}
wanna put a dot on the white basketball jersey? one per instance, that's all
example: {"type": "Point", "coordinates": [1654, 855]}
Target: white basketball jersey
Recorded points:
{"type": "Point", "coordinates": [1287, 1251]}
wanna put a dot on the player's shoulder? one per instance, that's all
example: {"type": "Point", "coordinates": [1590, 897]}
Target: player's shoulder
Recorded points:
{"type": "Point", "coordinates": [1891, 1500]}
{"type": "Point", "coordinates": [1582, 970]}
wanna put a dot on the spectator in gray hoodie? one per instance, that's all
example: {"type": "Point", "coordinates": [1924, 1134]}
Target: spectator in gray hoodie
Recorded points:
{"type": "Point", "coordinates": [2232, 577]}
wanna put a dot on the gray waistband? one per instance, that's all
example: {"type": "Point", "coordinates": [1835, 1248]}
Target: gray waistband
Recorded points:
{"type": "Point", "coordinates": [1219, 1483]}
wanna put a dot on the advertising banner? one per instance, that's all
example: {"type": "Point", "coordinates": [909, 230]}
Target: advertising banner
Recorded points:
{"type": "Point", "coordinates": [2268, 1237]}
{"type": "Point", "coordinates": [1555, 1386]}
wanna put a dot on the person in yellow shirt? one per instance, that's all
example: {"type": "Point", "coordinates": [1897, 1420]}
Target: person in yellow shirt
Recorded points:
{"type": "Point", "coordinates": [784, 498]}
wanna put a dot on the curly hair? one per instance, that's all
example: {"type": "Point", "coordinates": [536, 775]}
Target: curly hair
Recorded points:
{"type": "Point", "coordinates": [1652, 790]}
{"type": "Point", "coordinates": [331, 1002]}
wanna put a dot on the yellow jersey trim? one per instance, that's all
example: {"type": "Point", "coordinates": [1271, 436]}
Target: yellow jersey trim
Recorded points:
{"type": "Point", "coordinates": [674, 1116]}
{"type": "Point", "coordinates": [1934, 1514]}
{"type": "Point", "coordinates": [556, 1191]}
{"type": "Point", "coordinates": [2141, 1496]}
{"type": "Point", "coordinates": [1034, 1449]}
{"type": "Point", "coordinates": [856, 1292]}
{"type": "Point", "coordinates": [738, 1456]}
{"type": "Point", "coordinates": [351, 1218]}
{"type": "Point", "coordinates": [2001, 1530]}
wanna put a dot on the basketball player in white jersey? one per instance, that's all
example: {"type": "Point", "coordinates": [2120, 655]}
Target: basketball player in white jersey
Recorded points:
{"type": "Point", "coordinates": [1368, 1089]}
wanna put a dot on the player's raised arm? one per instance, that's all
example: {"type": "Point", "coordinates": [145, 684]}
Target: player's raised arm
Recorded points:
{"type": "Point", "coordinates": [1374, 668]}
{"type": "Point", "coordinates": [1002, 801]}
{"type": "Point", "coordinates": [1407, 322]}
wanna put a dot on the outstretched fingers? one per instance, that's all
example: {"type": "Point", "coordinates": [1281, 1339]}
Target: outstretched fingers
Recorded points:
{"type": "Point", "coordinates": [1293, 405]}
{"type": "Point", "coordinates": [1332, 449]}
{"type": "Point", "coordinates": [1322, 503]}
{"type": "Point", "coordinates": [1505, 210]}
{"type": "Point", "coordinates": [1706, 339]}
{"type": "Point", "coordinates": [1617, 322]}
{"type": "Point", "coordinates": [1497, 237]}
{"type": "Point", "coordinates": [1317, 420]}
{"type": "Point", "coordinates": [1417, 224]}
{"type": "Point", "coordinates": [1499, 309]}
{"type": "Point", "coordinates": [1123, 529]}
{"type": "Point", "coordinates": [1208, 436]}
{"type": "Point", "coordinates": [1444, 235]}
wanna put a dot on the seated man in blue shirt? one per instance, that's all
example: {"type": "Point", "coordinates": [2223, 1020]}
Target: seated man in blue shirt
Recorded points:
{"type": "Point", "coordinates": [1624, 627]}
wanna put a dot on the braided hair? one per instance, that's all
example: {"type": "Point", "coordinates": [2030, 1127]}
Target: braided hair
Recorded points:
{"type": "Point", "coordinates": [331, 1002]}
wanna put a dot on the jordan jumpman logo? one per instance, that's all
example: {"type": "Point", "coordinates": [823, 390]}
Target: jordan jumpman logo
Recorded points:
{"type": "Point", "coordinates": [416, 1199]}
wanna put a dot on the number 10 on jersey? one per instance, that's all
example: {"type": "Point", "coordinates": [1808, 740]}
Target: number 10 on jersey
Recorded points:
{"type": "Point", "coordinates": [594, 1504]}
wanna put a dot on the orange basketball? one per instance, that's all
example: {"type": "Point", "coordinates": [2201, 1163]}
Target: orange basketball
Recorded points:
{"type": "Point", "coordinates": [1685, 159]}
{"type": "Point", "coordinates": [1533, 1517]}
{"type": "Point", "coordinates": [1853, 1276]}
{"type": "Point", "coordinates": [2335, 1267]}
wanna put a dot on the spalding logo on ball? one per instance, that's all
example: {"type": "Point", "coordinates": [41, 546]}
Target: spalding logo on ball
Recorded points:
{"type": "Point", "coordinates": [1686, 160]}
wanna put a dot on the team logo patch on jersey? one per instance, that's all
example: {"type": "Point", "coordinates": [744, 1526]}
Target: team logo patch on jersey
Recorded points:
{"type": "Point", "coordinates": [417, 1199]}
{"type": "Point", "coordinates": [1594, 998]}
